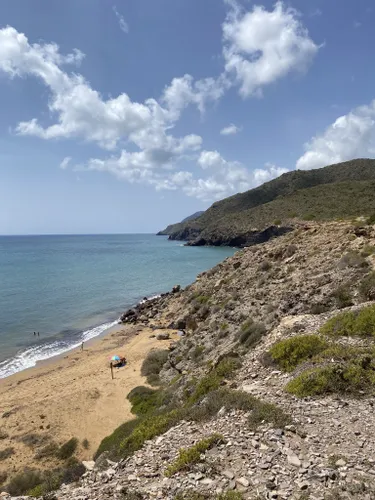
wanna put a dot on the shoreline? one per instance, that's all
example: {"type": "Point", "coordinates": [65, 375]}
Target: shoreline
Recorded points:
{"type": "Point", "coordinates": [73, 395]}
{"type": "Point", "coordinates": [114, 324]}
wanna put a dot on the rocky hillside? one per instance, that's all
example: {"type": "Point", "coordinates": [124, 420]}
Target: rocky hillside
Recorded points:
{"type": "Point", "coordinates": [341, 190]}
{"type": "Point", "coordinates": [269, 394]}
{"type": "Point", "coordinates": [175, 227]}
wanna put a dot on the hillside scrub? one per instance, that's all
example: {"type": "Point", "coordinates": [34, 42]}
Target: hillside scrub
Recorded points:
{"type": "Point", "coordinates": [351, 324]}
{"type": "Point", "coordinates": [152, 365]}
{"type": "Point", "coordinates": [190, 456]}
{"type": "Point", "coordinates": [205, 400]}
{"type": "Point", "coordinates": [251, 333]}
{"type": "Point", "coordinates": [289, 353]}
{"type": "Point", "coordinates": [356, 377]}
{"type": "Point", "coordinates": [67, 449]}
{"type": "Point", "coordinates": [367, 287]}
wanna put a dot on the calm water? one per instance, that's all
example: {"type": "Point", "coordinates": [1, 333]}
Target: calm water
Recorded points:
{"type": "Point", "coordinates": [72, 288]}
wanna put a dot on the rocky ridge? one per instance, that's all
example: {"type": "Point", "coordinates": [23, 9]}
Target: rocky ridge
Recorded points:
{"type": "Point", "coordinates": [291, 286]}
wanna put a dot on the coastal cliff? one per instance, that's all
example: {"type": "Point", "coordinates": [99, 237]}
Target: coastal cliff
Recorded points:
{"type": "Point", "coordinates": [266, 390]}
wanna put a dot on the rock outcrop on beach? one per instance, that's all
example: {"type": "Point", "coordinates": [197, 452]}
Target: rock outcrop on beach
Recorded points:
{"type": "Point", "coordinates": [337, 191]}
{"type": "Point", "coordinates": [269, 393]}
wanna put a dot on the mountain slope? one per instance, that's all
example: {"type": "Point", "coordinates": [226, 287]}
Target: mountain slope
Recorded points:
{"type": "Point", "coordinates": [340, 190]}
{"type": "Point", "coordinates": [172, 228]}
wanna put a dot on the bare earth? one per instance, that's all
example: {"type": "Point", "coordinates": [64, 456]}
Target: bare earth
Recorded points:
{"type": "Point", "coordinates": [73, 396]}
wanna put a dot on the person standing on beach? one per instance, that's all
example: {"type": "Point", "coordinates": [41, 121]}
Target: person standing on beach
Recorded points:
{"type": "Point", "coordinates": [82, 346]}
{"type": "Point", "coordinates": [34, 334]}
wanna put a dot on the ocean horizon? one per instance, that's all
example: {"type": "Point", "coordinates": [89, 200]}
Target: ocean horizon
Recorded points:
{"type": "Point", "coordinates": [72, 288]}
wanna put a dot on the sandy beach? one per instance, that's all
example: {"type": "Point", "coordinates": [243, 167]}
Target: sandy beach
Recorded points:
{"type": "Point", "coordinates": [72, 396]}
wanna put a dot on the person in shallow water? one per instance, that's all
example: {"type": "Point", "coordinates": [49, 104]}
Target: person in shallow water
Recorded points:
{"type": "Point", "coordinates": [34, 334]}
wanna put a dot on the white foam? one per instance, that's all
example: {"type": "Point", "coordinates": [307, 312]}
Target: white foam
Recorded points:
{"type": "Point", "coordinates": [150, 298]}
{"type": "Point", "coordinates": [29, 357]}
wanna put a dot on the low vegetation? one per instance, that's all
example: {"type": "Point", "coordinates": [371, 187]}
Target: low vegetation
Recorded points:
{"type": "Point", "coordinates": [202, 400]}
{"type": "Point", "coordinates": [343, 296]}
{"type": "Point", "coordinates": [152, 365]}
{"type": "Point", "coordinates": [367, 287]}
{"type": "Point", "coordinates": [190, 456]}
{"type": "Point", "coordinates": [251, 333]}
{"type": "Point", "coordinates": [48, 451]}
{"type": "Point", "coordinates": [359, 323]}
{"type": "Point", "coordinates": [289, 353]}
{"type": "Point", "coordinates": [67, 449]}
{"type": "Point", "coordinates": [354, 377]}
{"type": "Point", "coordinates": [6, 453]}
{"type": "Point", "coordinates": [37, 484]}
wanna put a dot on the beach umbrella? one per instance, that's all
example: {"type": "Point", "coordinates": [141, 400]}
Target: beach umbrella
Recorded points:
{"type": "Point", "coordinates": [115, 358]}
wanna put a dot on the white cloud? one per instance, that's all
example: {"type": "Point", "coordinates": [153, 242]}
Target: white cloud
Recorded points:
{"type": "Point", "coordinates": [138, 134]}
{"type": "Point", "coordinates": [64, 164]}
{"type": "Point", "coordinates": [263, 46]}
{"type": "Point", "coordinates": [350, 136]}
{"type": "Point", "coordinates": [230, 130]}
{"type": "Point", "coordinates": [357, 24]}
{"type": "Point", "coordinates": [121, 21]}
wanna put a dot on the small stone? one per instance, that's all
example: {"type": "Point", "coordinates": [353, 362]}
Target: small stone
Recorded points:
{"type": "Point", "coordinates": [207, 481]}
{"type": "Point", "coordinates": [132, 477]}
{"type": "Point", "coordinates": [293, 459]}
{"type": "Point", "coordinates": [340, 463]}
{"type": "Point", "coordinates": [89, 465]}
{"type": "Point", "coordinates": [228, 473]}
{"type": "Point", "coordinates": [243, 481]}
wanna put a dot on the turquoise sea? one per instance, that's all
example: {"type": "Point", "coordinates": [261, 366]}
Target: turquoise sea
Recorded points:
{"type": "Point", "coordinates": [73, 288]}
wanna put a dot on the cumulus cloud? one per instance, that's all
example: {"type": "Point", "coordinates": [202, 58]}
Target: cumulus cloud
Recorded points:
{"type": "Point", "coordinates": [350, 136]}
{"type": "Point", "coordinates": [262, 46]}
{"type": "Point", "coordinates": [230, 130]}
{"type": "Point", "coordinates": [64, 164]}
{"type": "Point", "coordinates": [121, 21]}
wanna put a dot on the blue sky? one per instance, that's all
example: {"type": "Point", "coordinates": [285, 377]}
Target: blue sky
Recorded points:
{"type": "Point", "coordinates": [126, 116]}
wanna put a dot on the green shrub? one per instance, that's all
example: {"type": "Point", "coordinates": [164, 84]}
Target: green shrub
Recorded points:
{"type": "Point", "coordinates": [3, 477]}
{"type": "Point", "coordinates": [268, 413]}
{"type": "Point", "coordinates": [190, 456]}
{"type": "Point", "coordinates": [251, 333]}
{"type": "Point", "coordinates": [367, 287]}
{"type": "Point", "coordinates": [265, 266]}
{"type": "Point", "coordinates": [371, 220]}
{"type": "Point", "coordinates": [33, 440]}
{"type": "Point", "coordinates": [351, 324]}
{"type": "Point", "coordinates": [86, 444]}
{"type": "Point", "coordinates": [368, 250]}
{"type": "Point", "coordinates": [144, 400]}
{"type": "Point", "coordinates": [319, 308]}
{"type": "Point", "coordinates": [111, 443]}
{"type": "Point", "coordinates": [354, 377]}
{"type": "Point", "coordinates": [289, 353]}
{"type": "Point", "coordinates": [6, 453]}
{"type": "Point", "coordinates": [197, 353]}
{"type": "Point", "coordinates": [67, 449]}
{"type": "Point", "coordinates": [230, 495]}
{"type": "Point", "coordinates": [50, 450]}
{"type": "Point", "coordinates": [152, 365]}
{"type": "Point", "coordinates": [227, 366]}
{"type": "Point", "coordinates": [202, 299]}
{"type": "Point", "coordinates": [342, 296]}
{"type": "Point", "coordinates": [3, 434]}
{"type": "Point", "coordinates": [23, 482]}
{"type": "Point", "coordinates": [309, 217]}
